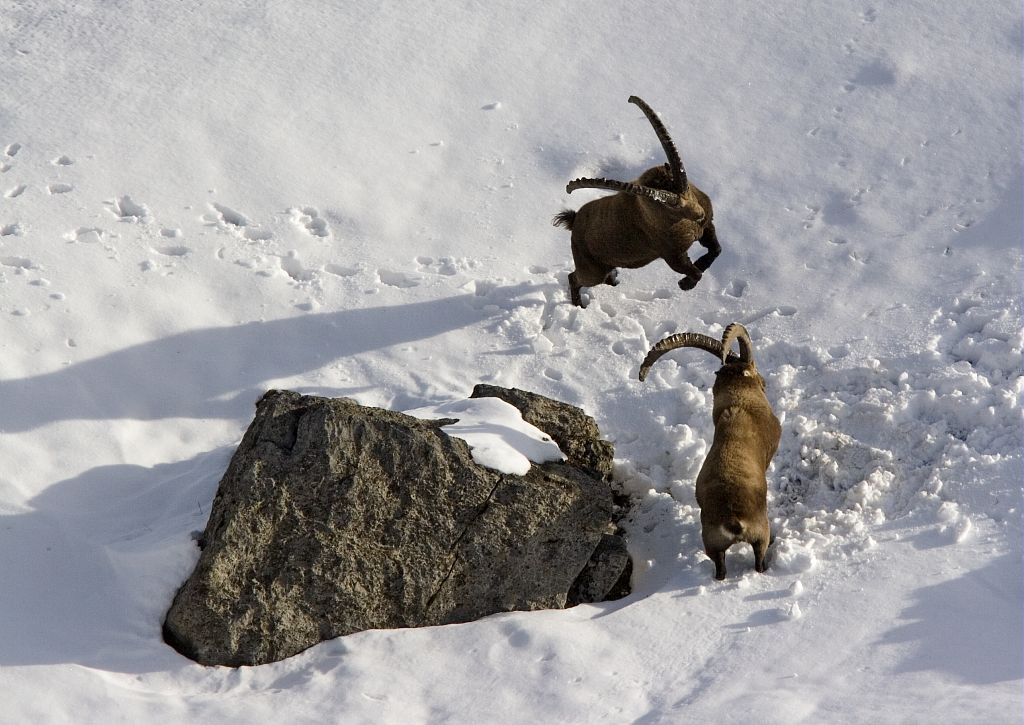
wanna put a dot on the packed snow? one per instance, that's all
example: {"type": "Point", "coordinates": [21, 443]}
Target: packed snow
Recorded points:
{"type": "Point", "coordinates": [201, 201]}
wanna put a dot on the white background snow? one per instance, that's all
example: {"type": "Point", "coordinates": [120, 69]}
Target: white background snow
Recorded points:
{"type": "Point", "coordinates": [200, 201]}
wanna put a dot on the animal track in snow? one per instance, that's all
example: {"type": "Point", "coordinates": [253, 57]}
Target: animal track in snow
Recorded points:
{"type": "Point", "coordinates": [812, 215]}
{"type": "Point", "coordinates": [292, 266]}
{"type": "Point", "coordinates": [986, 338]}
{"type": "Point", "coordinates": [447, 266]}
{"type": "Point", "coordinates": [736, 288]}
{"type": "Point", "coordinates": [128, 210]}
{"type": "Point", "coordinates": [60, 188]}
{"type": "Point", "coordinates": [12, 150]}
{"type": "Point", "coordinates": [227, 218]}
{"type": "Point", "coordinates": [86, 235]}
{"type": "Point", "coordinates": [11, 230]}
{"type": "Point", "coordinates": [397, 279]}
{"type": "Point", "coordinates": [173, 251]}
{"type": "Point", "coordinates": [341, 271]}
{"type": "Point", "coordinates": [634, 348]}
{"type": "Point", "coordinates": [309, 219]}
{"type": "Point", "coordinates": [18, 263]}
{"type": "Point", "coordinates": [780, 311]}
{"type": "Point", "coordinates": [659, 330]}
{"type": "Point", "coordinates": [662, 293]}
{"type": "Point", "coordinates": [62, 161]}
{"type": "Point", "coordinates": [552, 373]}
{"type": "Point", "coordinates": [15, 191]}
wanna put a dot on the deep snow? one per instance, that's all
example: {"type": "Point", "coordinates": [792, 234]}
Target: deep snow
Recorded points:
{"type": "Point", "coordinates": [204, 200]}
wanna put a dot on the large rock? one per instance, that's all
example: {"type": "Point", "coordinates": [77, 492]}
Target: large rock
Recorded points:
{"type": "Point", "coordinates": [333, 518]}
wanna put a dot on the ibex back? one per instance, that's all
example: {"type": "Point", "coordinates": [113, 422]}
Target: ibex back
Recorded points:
{"type": "Point", "coordinates": [660, 215]}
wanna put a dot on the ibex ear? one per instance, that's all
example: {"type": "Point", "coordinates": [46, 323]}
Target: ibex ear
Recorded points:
{"type": "Point", "coordinates": [747, 373]}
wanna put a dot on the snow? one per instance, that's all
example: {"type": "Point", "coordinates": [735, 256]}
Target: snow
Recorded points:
{"type": "Point", "coordinates": [496, 433]}
{"type": "Point", "coordinates": [201, 201]}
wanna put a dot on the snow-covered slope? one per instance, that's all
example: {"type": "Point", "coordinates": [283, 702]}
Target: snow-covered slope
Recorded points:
{"type": "Point", "coordinates": [199, 201]}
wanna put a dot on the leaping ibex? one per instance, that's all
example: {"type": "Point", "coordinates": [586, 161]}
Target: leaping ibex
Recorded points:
{"type": "Point", "coordinates": [659, 215]}
{"type": "Point", "coordinates": [732, 490]}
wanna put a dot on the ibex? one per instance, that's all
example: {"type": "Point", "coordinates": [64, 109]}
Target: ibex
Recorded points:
{"type": "Point", "coordinates": [732, 490]}
{"type": "Point", "coordinates": [659, 215]}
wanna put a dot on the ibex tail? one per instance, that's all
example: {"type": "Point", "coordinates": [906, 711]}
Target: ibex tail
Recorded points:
{"type": "Point", "coordinates": [564, 218]}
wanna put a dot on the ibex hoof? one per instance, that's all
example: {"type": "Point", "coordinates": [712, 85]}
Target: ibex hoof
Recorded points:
{"type": "Point", "coordinates": [688, 283]}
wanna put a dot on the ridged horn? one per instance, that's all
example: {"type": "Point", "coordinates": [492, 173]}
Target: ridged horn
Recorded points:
{"type": "Point", "coordinates": [735, 332]}
{"type": "Point", "coordinates": [675, 163]}
{"type": "Point", "coordinates": [661, 196]}
{"type": "Point", "coordinates": [683, 339]}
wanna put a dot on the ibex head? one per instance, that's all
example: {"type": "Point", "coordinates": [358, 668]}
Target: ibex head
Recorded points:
{"type": "Point", "coordinates": [733, 365]}
{"type": "Point", "coordinates": [666, 185]}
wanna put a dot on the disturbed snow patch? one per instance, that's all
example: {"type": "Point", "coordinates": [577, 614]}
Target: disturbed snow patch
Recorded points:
{"type": "Point", "coordinates": [932, 440]}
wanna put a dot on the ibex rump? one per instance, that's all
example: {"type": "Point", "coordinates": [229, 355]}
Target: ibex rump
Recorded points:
{"type": "Point", "coordinates": [658, 216]}
{"type": "Point", "coordinates": [732, 490]}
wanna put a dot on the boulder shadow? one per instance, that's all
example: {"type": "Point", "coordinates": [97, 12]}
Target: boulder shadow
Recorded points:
{"type": "Point", "coordinates": [218, 372]}
{"type": "Point", "coordinates": [89, 572]}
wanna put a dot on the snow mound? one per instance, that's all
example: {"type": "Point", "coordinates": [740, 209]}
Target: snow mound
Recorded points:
{"type": "Point", "coordinates": [497, 435]}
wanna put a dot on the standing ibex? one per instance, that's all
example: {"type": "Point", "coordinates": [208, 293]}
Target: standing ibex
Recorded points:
{"type": "Point", "coordinates": [659, 215]}
{"type": "Point", "coordinates": [732, 491]}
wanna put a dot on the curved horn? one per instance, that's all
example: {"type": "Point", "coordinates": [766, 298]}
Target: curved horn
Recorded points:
{"type": "Point", "coordinates": [667, 198]}
{"type": "Point", "coordinates": [735, 332]}
{"type": "Point", "coordinates": [674, 162]}
{"type": "Point", "coordinates": [683, 339]}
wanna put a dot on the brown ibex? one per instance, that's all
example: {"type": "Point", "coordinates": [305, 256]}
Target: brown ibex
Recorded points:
{"type": "Point", "coordinates": [659, 215]}
{"type": "Point", "coordinates": [732, 490]}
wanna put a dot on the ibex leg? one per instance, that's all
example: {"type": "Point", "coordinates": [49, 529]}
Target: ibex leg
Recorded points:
{"type": "Point", "coordinates": [574, 290]}
{"type": "Point", "coordinates": [709, 241]}
{"type": "Point", "coordinates": [760, 550]}
{"type": "Point", "coordinates": [691, 273]}
{"type": "Point", "coordinates": [589, 272]}
{"type": "Point", "coordinates": [719, 558]}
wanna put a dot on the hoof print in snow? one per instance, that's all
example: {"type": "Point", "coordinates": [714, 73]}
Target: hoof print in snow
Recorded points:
{"type": "Point", "coordinates": [397, 279]}
{"type": "Point", "coordinates": [128, 210]}
{"type": "Point", "coordinates": [309, 219]}
{"type": "Point", "coordinates": [227, 218]}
